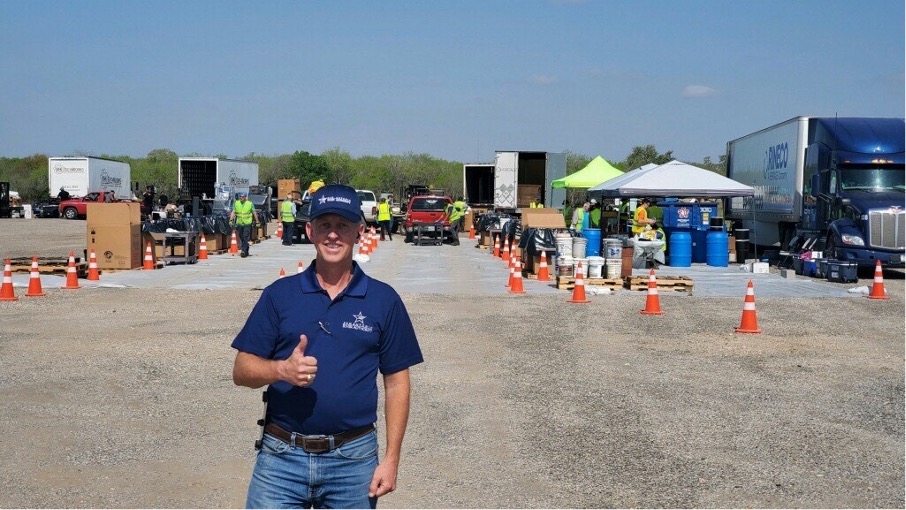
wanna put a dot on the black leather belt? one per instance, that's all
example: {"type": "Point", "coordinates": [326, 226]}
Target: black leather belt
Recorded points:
{"type": "Point", "coordinates": [316, 444]}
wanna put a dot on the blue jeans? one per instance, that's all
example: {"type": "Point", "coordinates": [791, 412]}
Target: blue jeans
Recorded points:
{"type": "Point", "coordinates": [288, 477]}
{"type": "Point", "coordinates": [288, 227]}
{"type": "Point", "coordinates": [244, 232]}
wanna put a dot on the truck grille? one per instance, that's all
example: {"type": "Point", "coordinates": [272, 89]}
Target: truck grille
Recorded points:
{"type": "Point", "coordinates": [887, 228]}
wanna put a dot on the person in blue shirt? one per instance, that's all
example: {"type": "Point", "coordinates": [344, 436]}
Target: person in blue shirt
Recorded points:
{"type": "Point", "coordinates": [318, 340]}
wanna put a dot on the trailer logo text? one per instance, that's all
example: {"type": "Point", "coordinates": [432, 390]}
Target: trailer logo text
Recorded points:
{"type": "Point", "coordinates": [108, 181]}
{"type": "Point", "coordinates": [59, 169]}
{"type": "Point", "coordinates": [776, 159]}
{"type": "Point", "coordinates": [238, 181]}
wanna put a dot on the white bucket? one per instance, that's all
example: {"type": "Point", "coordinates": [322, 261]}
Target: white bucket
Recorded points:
{"type": "Point", "coordinates": [614, 268]}
{"type": "Point", "coordinates": [564, 246]}
{"type": "Point", "coordinates": [565, 266]}
{"type": "Point", "coordinates": [584, 263]}
{"type": "Point", "coordinates": [579, 244]}
{"type": "Point", "coordinates": [613, 248]}
{"type": "Point", "coordinates": [595, 267]}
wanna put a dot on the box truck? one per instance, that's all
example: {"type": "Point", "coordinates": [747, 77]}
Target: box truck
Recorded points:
{"type": "Point", "coordinates": [214, 182]}
{"type": "Point", "coordinates": [80, 175]}
{"type": "Point", "coordinates": [514, 180]}
{"type": "Point", "coordinates": [835, 181]}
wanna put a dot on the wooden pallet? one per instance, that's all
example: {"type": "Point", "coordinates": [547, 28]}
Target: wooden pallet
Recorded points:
{"type": "Point", "coordinates": [48, 265]}
{"type": "Point", "coordinates": [671, 283]}
{"type": "Point", "coordinates": [569, 282]}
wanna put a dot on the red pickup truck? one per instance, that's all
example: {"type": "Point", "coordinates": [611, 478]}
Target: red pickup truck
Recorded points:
{"type": "Point", "coordinates": [75, 208]}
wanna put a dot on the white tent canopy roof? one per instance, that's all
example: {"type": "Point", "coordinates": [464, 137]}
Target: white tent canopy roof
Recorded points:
{"type": "Point", "coordinates": [672, 179]}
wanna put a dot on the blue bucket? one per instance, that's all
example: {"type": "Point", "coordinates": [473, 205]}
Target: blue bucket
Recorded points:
{"type": "Point", "coordinates": [593, 235]}
{"type": "Point", "coordinates": [679, 248]}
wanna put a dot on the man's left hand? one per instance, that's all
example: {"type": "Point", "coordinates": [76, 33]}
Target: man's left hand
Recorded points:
{"type": "Point", "coordinates": [384, 480]}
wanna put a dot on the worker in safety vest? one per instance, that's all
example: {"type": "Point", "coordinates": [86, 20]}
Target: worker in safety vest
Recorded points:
{"type": "Point", "coordinates": [640, 219]}
{"type": "Point", "coordinates": [288, 217]}
{"type": "Point", "coordinates": [243, 217]}
{"type": "Point", "coordinates": [455, 213]}
{"type": "Point", "coordinates": [536, 203]}
{"type": "Point", "coordinates": [383, 217]}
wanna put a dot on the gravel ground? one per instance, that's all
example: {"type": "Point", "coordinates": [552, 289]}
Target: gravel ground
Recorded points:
{"type": "Point", "coordinates": [122, 397]}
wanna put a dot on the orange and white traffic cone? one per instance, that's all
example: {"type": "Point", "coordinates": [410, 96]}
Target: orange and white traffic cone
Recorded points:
{"type": "Point", "coordinates": [280, 229]}
{"type": "Point", "coordinates": [282, 272]}
{"type": "Point", "coordinates": [300, 268]}
{"type": "Point", "coordinates": [653, 301]}
{"type": "Point", "coordinates": [34, 283]}
{"type": "Point", "coordinates": [877, 289]}
{"type": "Point", "coordinates": [749, 323]}
{"type": "Point", "coordinates": [72, 276]}
{"type": "Point", "coordinates": [506, 252]}
{"type": "Point", "coordinates": [234, 245]}
{"type": "Point", "coordinates": [543, 275]}
{"type": "Point", "coordinates": [516, 287]}
{"type": "Point", "coordinates": [93, 273]}
{"type": "Point", "coordinates": [471, 231]}
{"type": "Point", "coordinates": [203, 248]}
{"type": "Point", "coordinates": [511, 268]}
{"type": "Point", "coordinates": [374, 238]}
{"type": "Point", "coordinates": [6, 291]}
{"type": "Point", "coordinates": [579, 288]}
{"type": "Point", "coordinates": [149, 258]}
{"type": "Point", "coordinates": [496, 247]}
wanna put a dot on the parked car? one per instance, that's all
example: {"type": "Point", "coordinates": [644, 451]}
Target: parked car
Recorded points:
{"type": "Point", "coordinates": [50, 209]}
{"type": "Point", "coordinates": [369, 205]}
{"type": "Point", "coordinates": [430, 210]}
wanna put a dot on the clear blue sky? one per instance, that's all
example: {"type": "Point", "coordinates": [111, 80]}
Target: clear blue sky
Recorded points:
{"type": "Point", "coordinates": [454, 79]}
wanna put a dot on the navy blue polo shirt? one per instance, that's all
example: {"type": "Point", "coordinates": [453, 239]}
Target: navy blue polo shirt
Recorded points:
{"type": "Point", "coordinates": [365, 329]}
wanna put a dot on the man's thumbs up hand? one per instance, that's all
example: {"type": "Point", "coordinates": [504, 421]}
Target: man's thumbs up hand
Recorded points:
{"type": "Point", "coordinates": [298, 369]}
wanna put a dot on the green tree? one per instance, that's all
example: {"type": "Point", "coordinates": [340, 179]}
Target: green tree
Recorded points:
{"type": "Point", "coordinates": [644, 155]}
{"type": "Point", "coordinates": [308, 167]}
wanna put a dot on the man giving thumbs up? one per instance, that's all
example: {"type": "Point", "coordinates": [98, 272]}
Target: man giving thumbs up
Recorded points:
{"type": "Point", "coordinates": [318, 339]}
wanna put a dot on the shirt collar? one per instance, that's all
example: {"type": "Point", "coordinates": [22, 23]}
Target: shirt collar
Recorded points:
{"type": "Point", "coordinates": [357, 286]}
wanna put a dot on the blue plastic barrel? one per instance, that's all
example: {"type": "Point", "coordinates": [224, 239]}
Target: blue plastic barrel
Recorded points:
{"type": "Point", "coordinates": [679, 247]}
{"type": "Point", "coordinates": [593, 235]}
{"type": "Point", "coordinates": [718, 251]}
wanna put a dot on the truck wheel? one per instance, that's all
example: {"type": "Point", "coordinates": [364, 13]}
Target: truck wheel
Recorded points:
{"type": "Point", "coordinates": [70, 213]}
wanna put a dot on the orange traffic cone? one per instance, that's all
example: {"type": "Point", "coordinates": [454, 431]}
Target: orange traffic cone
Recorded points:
{"type": "Point", "coordinates": [203, 248]}
{"type": "Point", "coordinates": [301, 267]}
{"type": "Point", "coordinates": [374, 238]}
{"type": "Point", "coordinates": [506, 252]}
{"type": "Point", "coordinates": [496, 247]}
{"type": "Point", "coordinates": [516, 287]}
{"type": "Point", "coordinates": [749, 322]}
{"type": "Point", "coordinates": [511, 269]}
{"type": "Point", "coordinates": [93, 273]}
{"type": "Point", "coordinates": [579, 289]}
{"type": "Point", "coordinates": [471, 231]}
{"type": "Point", "coordinates": [653, 302]}
{"type": "Point", "coordinates": [149, 258]}
{"type": "Point", "coordinates": [280, 229]}
{"type": "Point", "coordinates": [877, 289]}
{"type": "Point", "coordinates": [6, 291]}
{"type": "Point", "coordinates": [34, 283]}
{"type": "Point", "coordinates": [543, 275]}
{"type": "Point", "coordinates": [234, 245]}
{"type": "Point", "coordinates": [282, 272]}
{"type": "Point", "coordinates": [72, 276]}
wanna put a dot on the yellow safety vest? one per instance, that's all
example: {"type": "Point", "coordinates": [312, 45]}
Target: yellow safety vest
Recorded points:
{"type": "Point", "coordinates": [243, 212]}
{"type": "Point", "coordinates": [383, 212]}
{"type": "Point", "coordinates": [286, 209]}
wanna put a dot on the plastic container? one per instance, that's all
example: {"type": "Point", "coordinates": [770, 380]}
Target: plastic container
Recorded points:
{"type": "Point", "coordinates": [584, 262]}
{"type": "Point", "coordinates": [564, 266]}
{"type": "Point", "coordinates": [842, 271]}
{"type": "Point", "coordinates": [742, 244]}
{"type": "Point", "coordinates": [564, 245]}
{"type": "Point", "coordinates": [718, 251]}
{"type": "Point", "coordinates": [680, 248]}
{"type": "Point", "coordinates": [613, 248]}
{"type": "Point", "coordinates": [579, 244]}
{"type": "Point", "coordinates": [595, 267]}
{"type": "Point", "coordinates": [614, 268]}
{"type": "Point", "coordinates": [593, 236]}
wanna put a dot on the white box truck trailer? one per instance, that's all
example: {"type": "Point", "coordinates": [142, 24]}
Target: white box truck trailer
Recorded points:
{"type": "Point", "coordinates": [203, 177]}
{"type": "Point", "coordinates": [514, 180]}
{"type": "Point", "coordinates": [80, 175]}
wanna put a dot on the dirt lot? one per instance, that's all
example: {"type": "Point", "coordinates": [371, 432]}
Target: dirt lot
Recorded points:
{"type": "Point", "coordinates": [122, 397]}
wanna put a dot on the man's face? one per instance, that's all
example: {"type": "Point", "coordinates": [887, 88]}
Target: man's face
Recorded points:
{"type": "Point", "coordinates": [242, 198]}
{"type": "Point", "coordinates": [334, 237]}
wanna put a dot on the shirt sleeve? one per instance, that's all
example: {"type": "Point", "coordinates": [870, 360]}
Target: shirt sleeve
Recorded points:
{"type": "Point", "coordinates": [399, 347]}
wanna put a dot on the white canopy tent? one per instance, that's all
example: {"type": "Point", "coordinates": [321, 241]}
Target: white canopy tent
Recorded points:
{"type": "Point", "coordinates": [672, 179]}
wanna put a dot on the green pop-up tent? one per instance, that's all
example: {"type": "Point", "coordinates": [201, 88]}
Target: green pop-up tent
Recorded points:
{"type": "Point", "coordinates": [595, 172]}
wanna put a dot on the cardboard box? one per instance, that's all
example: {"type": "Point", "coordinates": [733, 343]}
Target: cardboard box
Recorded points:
{"type": "Point", "coordinates": [117, 213]}
{"type": "Point", "coordinates": [286, 186]}
{"type": "Point", "coordinates": [526, 194]}
{"type": "Point", "coordinates": [116, 246]}
{"type": "Point", "coordinates": [543, 218]}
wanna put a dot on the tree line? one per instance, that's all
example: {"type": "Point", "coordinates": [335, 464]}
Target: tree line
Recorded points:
{"type": "Point", "coordinates": [386, 173]}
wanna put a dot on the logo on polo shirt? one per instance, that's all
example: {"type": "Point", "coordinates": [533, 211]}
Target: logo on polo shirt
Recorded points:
{"type": "Point", "coordinates": [359, 324]}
